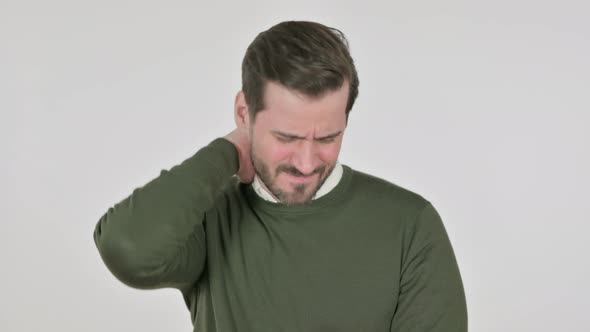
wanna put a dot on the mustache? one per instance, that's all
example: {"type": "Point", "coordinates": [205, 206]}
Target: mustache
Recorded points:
{"type": "Point", "coordinates": [294, 171]}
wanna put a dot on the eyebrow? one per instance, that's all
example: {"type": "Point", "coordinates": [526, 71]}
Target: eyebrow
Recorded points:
{"type": "Point", "coordinates": [287, 135]}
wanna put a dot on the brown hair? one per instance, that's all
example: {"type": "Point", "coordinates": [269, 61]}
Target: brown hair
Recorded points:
{"type": "Point", "coordinates": [307, 57]}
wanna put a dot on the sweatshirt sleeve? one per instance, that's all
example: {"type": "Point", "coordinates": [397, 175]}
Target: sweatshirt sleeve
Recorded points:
{"type": "Point", "coordinates": [431, 298]}
{"type": "Point", "coordinates": [155, 237]}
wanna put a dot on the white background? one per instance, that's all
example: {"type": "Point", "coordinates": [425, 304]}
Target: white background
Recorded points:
{"type": "Point", "coordinates": [482, 107]}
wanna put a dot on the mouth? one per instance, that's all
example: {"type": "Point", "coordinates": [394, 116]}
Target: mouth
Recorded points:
{"type": "Point", "coordinates": [299, 179]}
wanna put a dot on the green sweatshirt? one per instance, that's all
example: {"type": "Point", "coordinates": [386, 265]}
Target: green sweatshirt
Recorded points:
{"type": "Point", "coordinates": [367, 256]}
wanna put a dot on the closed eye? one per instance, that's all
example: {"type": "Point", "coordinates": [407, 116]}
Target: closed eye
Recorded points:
{"type": "Point", "coordinates": [285, 139]}
{"type": "Point", "coordinates": [327, 140]}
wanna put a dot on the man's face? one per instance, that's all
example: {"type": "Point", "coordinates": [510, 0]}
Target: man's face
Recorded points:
{"type": "Point", "coordinates": [295, 141]}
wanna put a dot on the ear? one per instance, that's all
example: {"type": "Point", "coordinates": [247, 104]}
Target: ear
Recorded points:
{"type": "Point", "coordinates": [241, 114]}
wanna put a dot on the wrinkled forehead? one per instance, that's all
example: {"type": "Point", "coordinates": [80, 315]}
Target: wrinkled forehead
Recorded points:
{"type": "Point", "coordinates": [291, 110]}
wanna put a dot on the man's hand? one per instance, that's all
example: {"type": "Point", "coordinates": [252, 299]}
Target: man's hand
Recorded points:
{"type": "Point", "coordinates": [239, 137]}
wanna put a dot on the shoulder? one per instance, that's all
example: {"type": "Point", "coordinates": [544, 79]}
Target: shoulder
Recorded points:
{"type": "Point", "coordinates": [386, 193]}
{"type": "Point", "coordinates": [412, 210]}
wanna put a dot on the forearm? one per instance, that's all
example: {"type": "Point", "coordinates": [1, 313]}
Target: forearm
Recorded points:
{"type": "Point", "coordinates": [155, 237]}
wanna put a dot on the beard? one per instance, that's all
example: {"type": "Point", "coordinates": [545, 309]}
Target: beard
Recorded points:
{"type": "Point", "coordinates": [301, 193]}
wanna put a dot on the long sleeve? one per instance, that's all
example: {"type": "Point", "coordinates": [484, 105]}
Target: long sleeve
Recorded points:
{"type": "Point", "coordinates": [155, 238]}
{"type": "Point", "coordinates": [431, 298]}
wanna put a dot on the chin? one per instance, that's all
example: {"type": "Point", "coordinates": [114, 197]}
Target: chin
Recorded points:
{"type": "Point", "coordinates": [301, 201]}
{"type": "Point", "coordinates": [292, 196]}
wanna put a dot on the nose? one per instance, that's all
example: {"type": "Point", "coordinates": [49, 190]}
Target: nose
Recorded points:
{"type": "Point", "coordinates": [304, 157]}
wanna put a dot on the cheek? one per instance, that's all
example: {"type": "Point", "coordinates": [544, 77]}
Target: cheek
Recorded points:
{"type": "Point", "coordinates": [329, 153]}
{"type": "Point", "coordinates": [274, 154]}
{"type": "Point", "coordinates": [280, 154]}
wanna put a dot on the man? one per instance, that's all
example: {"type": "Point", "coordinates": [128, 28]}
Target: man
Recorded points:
{"type": "Point", "coordinates": [264, 229]}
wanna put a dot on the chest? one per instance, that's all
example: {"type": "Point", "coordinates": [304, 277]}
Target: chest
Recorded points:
{"type": "Point", "coordinates": [283, 273]}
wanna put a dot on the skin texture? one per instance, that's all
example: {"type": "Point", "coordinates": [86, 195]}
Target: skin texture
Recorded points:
{"type": "Point", "coordinates": [293, 143]}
